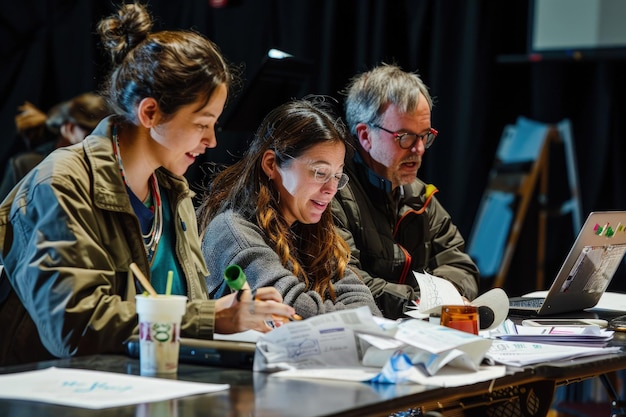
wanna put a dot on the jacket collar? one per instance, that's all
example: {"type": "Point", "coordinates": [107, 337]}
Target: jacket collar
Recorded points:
{"type": "Point", "coordinates": [109, 188]}
{"type": "Point", "coordinates": [373, 178]}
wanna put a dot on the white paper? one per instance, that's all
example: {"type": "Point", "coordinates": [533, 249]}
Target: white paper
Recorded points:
{"type": "Point", "coordinates": [250, 336]}
{"type": "Point", "coordinates": [435, 292]}
{"type": "Point", "coordinates": [322, 340]}
{"type": "Point", "coordinates": [358, 374]}
{"type": "Point", "coordinates": [611, 301]}
{"type": "Point", "coordinates": [497, 300]}
{"type": "Point", "coordinates": [443, 341]}
{"type": "Point", "coordinates": [96, 389]}
{"type": "Point", "coordinates": [520, 354]}
{"type": "Point", "coordinates": [447, 377]}
{"type": "Point", "coordinates": [328, 344]}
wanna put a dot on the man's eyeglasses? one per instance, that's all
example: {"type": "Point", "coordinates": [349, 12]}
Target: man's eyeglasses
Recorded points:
{"type": "Point", "coordinates": [322, 176]}
{"type": "Point", "coordinates": [408, 140]}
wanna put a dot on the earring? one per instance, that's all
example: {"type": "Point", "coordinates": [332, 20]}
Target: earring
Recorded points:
{"type": "Point", "coordinates": [275, 195]}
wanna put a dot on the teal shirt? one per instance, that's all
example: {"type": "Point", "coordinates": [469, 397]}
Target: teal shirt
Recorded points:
{"type": "Point", "coordinates": [164, 259]}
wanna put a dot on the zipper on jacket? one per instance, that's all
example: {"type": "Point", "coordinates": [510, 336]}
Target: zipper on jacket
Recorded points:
{"type": "Point", "coordinates": [407, 265]}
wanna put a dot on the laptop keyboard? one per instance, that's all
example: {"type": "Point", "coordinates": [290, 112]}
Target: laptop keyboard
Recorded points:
{"type": "Point", "coordinates": [526, 302]}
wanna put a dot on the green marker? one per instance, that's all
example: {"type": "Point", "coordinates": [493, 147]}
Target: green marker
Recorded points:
{"type": "Point", "coordinates": [235, 277]}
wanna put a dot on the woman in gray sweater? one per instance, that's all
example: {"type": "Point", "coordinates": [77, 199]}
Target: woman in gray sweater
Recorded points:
{"type": "Point", "coordinates": [270, 213]}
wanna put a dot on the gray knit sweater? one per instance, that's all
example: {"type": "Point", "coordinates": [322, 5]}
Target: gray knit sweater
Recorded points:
{"type": "Point", "coordinates": [231, 239]}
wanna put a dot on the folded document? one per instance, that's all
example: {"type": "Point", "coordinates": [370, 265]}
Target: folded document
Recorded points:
{"type": "Point", "coordinates": [354, 345]}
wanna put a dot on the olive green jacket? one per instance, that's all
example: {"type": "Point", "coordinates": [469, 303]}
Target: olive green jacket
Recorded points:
{"type": "Point", "coordinates": [394, 232]}
{"type": "Point", "coordinates": [68, 234]}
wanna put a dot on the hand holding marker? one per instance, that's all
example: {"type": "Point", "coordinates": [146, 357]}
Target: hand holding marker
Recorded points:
{"type": "Point", "coordinates": [236, 280]}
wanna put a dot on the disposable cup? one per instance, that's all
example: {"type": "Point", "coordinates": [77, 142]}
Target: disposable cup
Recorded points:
{"type": "Point", "coordinates": [460, 317]}
{"type": "Point", "coordinates": [159, 332]}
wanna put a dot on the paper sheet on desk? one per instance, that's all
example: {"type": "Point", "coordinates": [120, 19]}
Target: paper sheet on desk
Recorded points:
{"type": "Point", "coordinates": [371, 348]}
{"type": "Point", "coordinates": [95, 389]}
{"type": "Point", "coordinates": [250, 336]}
{"type": "Point", "coordinates": [447, 377]}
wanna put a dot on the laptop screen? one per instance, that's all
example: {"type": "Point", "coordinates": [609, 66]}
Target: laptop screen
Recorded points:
{"type": "Point", "coordinates": [589, 267]}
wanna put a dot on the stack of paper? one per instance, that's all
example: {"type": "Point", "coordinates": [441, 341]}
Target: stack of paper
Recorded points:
{"type": "Point", "coordinates": [591, 336]}
{"type": "Point", "coordinates": [519, 346]}
{"type": "Point", "coordinates": [520, 354]}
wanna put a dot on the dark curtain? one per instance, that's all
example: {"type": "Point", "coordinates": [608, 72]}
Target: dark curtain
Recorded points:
{"type": "Point", "coordinates": [49, 53]}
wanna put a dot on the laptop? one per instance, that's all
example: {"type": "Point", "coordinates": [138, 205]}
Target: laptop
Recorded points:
{"type": "Point", "coordinates": [222, 353]}
{"type": "Point", "coordinates": [587, 270]}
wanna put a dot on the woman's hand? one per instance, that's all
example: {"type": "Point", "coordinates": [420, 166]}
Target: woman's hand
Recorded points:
{"type": "Point", "coordinates": [265, 312]}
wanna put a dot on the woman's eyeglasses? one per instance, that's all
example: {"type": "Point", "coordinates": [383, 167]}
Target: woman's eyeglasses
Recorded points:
{"type": "Point", "coordinates": [322, 176]}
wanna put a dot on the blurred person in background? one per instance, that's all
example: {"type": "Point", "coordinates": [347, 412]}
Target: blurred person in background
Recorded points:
{"type": "Point", "coordinates": [67, 123]}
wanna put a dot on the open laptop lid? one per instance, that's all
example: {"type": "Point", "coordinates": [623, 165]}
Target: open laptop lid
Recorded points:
{"type": "Point", "coordinates": [588, 268]}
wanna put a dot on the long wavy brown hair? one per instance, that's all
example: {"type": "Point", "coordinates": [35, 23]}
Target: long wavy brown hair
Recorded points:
{"type": "Point", "coordinates": [315, 253]}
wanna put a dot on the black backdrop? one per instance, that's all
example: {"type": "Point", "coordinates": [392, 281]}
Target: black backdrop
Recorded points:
{"type": "Point", "coordinates": [48, 53]}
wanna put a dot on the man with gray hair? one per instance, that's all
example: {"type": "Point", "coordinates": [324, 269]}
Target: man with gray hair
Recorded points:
{"type": "Point", "coordinates": [390, 218]}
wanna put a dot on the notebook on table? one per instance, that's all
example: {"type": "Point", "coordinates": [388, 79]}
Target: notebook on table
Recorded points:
{"type": "Point", "coordinates": [587, 270]}
{"type": "Point", "coordinates": [222, 353]}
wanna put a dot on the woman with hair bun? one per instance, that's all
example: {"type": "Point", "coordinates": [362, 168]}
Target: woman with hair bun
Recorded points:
{"type": "Point", "coordinates": [70, 231]}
